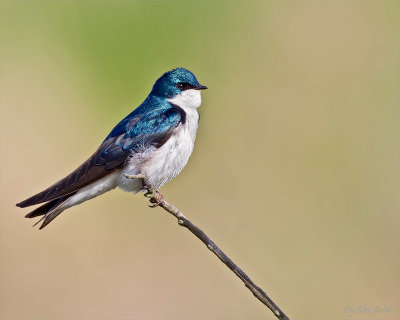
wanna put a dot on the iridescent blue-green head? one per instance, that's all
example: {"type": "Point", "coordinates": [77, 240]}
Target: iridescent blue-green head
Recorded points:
{"type": "Point", "coordinates": [179, 84]}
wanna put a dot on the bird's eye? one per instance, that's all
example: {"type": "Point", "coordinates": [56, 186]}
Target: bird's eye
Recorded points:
{"type": "Point", "coordinates": [184, 86]}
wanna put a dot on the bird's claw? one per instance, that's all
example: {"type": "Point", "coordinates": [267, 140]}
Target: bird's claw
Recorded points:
{"type": "Point", "coordinates": [156, 198]}
{"type": "Point", "coordinates": [156, 203]}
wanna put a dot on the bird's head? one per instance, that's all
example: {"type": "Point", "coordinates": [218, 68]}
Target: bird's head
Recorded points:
{"type": "Point", "coordinates": [179, 86]}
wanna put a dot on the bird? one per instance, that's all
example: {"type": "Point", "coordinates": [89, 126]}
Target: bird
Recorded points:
{"type": "Point", "coordinates": [146, 149]}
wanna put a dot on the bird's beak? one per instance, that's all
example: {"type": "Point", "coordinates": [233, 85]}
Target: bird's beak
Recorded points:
{"type": "Point", "coordinates": [200, 87]}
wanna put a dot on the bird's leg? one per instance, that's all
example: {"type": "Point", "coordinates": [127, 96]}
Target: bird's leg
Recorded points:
{"type": "Point", "coordinates": [135, 176]}
{"type": "Point", "coordinates": [149, 193]}
{"type": "Point", "coordinates": [155, 197]}
{"type": "Point", "coordinates": [141, 176]}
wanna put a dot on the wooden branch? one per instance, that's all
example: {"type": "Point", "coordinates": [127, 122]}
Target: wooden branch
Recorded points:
{"type": "Point", "coordinates": [157, 199]}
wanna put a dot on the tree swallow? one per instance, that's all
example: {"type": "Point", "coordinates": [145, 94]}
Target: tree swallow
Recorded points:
{"type": "Point", "coordinates": [145, 150]}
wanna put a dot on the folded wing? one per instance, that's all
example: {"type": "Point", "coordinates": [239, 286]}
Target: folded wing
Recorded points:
{"type": "Point", "coordinates": [129, 136]}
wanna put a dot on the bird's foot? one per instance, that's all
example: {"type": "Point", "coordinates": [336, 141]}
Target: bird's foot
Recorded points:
{"type": "Point", "coordinates": [156, 198]}
{"type": "Point", "coordinates": [150, 192]}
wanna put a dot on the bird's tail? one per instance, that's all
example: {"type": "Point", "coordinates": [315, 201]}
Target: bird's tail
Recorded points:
{"type": "Point", "coordinates": [49, 211]}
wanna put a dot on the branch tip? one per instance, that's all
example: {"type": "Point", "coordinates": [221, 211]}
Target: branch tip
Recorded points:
{"type": "Point", "coordinates": [158, 201]}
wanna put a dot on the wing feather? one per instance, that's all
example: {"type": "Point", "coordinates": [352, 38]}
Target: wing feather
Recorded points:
{"type": "Point", "coordinates": [142, 130]}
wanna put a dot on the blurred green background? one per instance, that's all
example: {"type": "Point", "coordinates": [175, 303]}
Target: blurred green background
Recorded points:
{"type": "Point", "coordinates": [295, 172]}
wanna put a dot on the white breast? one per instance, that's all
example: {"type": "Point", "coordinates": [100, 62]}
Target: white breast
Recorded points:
{"type": "Point", "coordinates": [169, 160]}
{"type": "Point", "coordinates": [161, 165]}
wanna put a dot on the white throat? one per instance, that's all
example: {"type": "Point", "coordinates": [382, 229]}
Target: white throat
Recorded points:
{"type": "Point", "coordinates": [187, 99]}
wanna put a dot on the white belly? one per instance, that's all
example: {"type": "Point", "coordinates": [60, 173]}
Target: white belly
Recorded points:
{"type": "Point", "coordinates": [168, 161]}
{"type": "Point", "coordinates": [161, 165]}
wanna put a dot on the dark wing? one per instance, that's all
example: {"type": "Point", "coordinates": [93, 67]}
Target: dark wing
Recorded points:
{"type": "Point", "coordinates": [153, 128]}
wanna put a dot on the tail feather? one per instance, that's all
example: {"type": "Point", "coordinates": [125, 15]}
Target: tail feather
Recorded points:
{"type": "Point", "coordinates": [49, 218]}
{"type": "Point", "coordinates": [49, 211]}
{"type": "Point", "coordinates": [43, 209]}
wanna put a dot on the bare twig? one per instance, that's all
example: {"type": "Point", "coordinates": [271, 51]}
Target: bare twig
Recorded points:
{"type": "Point", "coordinates": [157, 199]}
